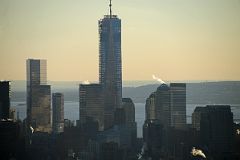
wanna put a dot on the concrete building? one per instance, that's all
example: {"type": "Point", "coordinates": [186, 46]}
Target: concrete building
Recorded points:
{"type": "Point", "coordinates": [57, 112]}
{"type": "Point", "coordinates": [38, 96]}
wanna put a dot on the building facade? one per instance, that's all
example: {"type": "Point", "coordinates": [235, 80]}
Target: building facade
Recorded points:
{"type": "Point", "coordinates": [110, 65]}
{"type": "Point", "coordinates": [150, 108]}
{"type": "Point", "coordinates": [91, 104]}
{"type": "Point", "coordinates": [168, 105]}
{"type": "Point", "coordinates": [4, 99]}
{"type": "Point", "coordinates": [215, 123]}
{"type": "Point", "coordinates": [38, 96]}
{"type": "Point", "coordinates": [57, 112]}
{"type": "Point", "coordinates": [162, 102]}
{"type": "Point", "coordinates": [178, 105]}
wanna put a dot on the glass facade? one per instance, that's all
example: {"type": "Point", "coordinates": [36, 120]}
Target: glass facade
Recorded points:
{"type": "Point", "coordinates": [110, 65]}
{"type": "Point", "coordinates": [91, 104]}
{"type": "Point", "coordinates": [38, 96]}
{"type": "Point", "coordinates": [178, 105]}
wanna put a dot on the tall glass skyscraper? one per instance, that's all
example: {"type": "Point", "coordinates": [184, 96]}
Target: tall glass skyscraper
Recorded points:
{"type": "Point", "coordinates": [110, 65]}
{"type": "Point", "coordinates": [178, 105]}
{"type": "Point", "coordinates": [38, 96]}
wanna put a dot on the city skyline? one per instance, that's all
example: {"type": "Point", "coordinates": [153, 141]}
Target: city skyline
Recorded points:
{"type": "Point", "coordinates": [187, 40]}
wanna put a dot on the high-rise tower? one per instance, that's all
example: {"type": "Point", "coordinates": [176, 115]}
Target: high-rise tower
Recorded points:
{"type": "Point", "coordinates": [178, 105]}
{"type": "Point", "coordinates": [57, 112]}
{"type": "Point", "coordinates": [4, 99]}
{"type": "Point", "coordinates": [38, 96]}
{"type": "Point", "coordinates": [110, 65]}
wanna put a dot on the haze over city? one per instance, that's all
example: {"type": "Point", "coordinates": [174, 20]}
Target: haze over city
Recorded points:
{"type": "Point", "coordinates": [175, 40]}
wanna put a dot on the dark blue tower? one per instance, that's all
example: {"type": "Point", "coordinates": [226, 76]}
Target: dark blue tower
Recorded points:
{"type": "Point", "coordinates": [110, 65]}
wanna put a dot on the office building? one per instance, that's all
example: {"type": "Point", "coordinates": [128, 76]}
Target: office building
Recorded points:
{"type": "Point", "coordinates": [91, 104]}
{"type": "Point", "coordinates": [110, 65]}
{"type": "Point", "coordinates": [158, 106]}
{"type": "Point", "coordinates": [129, 108]}
{"type": "Point", "coordinates": [153, 137]}
{"type": "Point", "coordinates": [150, 108]}
{"type": "Point", "coordinates": [57, 112]}
{"type": "Point", "coordinates": [178, 105]}
{"type": "Point", "coordinates": [38, 96]}
{"type": "Point", "coordinates": [168, 105]}
{"type": "Point", "coordinates": [4, 99]}
{"type": "Point", "coordinates": [215, 123]}
{"type": "Point", "coordinates": [162, 104]}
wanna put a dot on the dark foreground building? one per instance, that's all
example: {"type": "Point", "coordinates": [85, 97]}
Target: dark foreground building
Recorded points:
{"type": "Point", "coordinates": [4, 99]}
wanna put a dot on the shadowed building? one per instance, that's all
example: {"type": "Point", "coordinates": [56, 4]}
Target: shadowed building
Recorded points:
{"type": "Point", "coordinates": [38, 96]}
{"type": "Point", "coordinates": [162, 104]}
{"type": "Point", "coordinates": [129, 108]}
{"type": "Point", "coordinates": [110, 65]}
{"type": "Point", "coordinates": [4, 99]}
{"type": "Point", "coordinates": [150, 108]}
{"type": "Point", "coordinates": [178, 105]}
{"type": "Point", "coordinates": [215, 123]}
{"type": "Point", "coordinates": [91, 104]}
{"type": "Point", "coordinates": [168, 105]}
{"type": "Point", "coordinates": [158, 106]}
{"type": "Point", "coordinates": [58, 112]}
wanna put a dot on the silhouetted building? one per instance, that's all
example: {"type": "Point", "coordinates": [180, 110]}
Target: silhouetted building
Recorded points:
{"type": "Point", "coordinates": [4, 99]}
{"type": "Point", "coordinates": [129, 108]}
{"type": "Point", "coordinates": [38, 96]}
{"type": "Point", "coordinates": [153, 137]}
{"type": "Point", "coordinates": [178, 105]}
{"type": "Point", "coordinates": [130, 124]}
{"type": "Point", "coordinates": [9, 139]}
{"type": "Point", "coordinates": [216, 128]}
{"type": "Point", "coordinates": [110, 65]}
{"type": "Point", "coordinates": [40, 147]}
{"type": "Point", "coordinates": [91, 103]}
{"type": "Point", "coordinates": [58, 112]}
{"type": "Point", "coordinates": [120, 116]}
{"type": "Point", "coordinates": [109, 151]}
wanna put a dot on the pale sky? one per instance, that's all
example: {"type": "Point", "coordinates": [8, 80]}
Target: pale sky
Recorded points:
{"type": "Point", "coordinates": [173, 39]}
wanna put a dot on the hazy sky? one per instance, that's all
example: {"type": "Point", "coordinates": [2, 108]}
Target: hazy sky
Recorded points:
{"type": "Point", "coordinates": [173, 39]}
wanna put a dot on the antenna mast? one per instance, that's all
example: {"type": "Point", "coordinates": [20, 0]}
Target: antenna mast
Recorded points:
{"type": "Point", "coordinates": [110, 6]}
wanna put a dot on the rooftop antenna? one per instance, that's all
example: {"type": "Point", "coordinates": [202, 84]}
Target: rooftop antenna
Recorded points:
{"type": "Point", "coordinates": [110, 5]}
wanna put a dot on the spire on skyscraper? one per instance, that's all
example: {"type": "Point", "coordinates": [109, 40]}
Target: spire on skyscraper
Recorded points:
{"type": "Point", "coordinates": [110, 6]}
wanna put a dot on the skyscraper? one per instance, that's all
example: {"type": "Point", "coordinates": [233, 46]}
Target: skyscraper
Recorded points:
{"type": "Point", "coordinates": [162, 102]}
{"type": "Point", "coordinates": [91, 104]}
{"type": "Point", "coordinates": [215, 123]}
{"type": "Point", "coordinates": [178, 105]}
{"type": "Point", "coordinates": [38, 96]}
{"type": "Point", "coordinates": [57, 112]}
{"type": "Point", "coordinates": [168, 105]}
{"type": "Point", "coordinates": [110, 65]}
{"type": "Point", "coordinates": [150, 108]}
{"type": "Point", "coordinates": [4, 99]}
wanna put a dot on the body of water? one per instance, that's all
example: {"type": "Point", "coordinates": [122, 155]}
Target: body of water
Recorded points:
{"type": "Point", "coordinates": [71, 112]}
